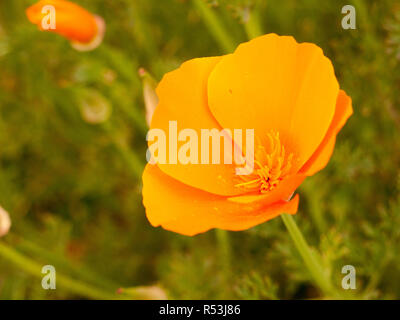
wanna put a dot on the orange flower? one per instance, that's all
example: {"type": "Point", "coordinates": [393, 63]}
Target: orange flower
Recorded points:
{"type": "Point", "coordinates": [83, 29]}
{"type": "Point", "coordinates": [287, 92]}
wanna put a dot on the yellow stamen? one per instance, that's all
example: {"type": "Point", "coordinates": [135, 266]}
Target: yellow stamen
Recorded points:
{"type": "Point", "coordinates": [272, 164]}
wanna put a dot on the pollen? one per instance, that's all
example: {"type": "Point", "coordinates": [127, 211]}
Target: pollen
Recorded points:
{"type": "Point", "coordinates": [272, 163]}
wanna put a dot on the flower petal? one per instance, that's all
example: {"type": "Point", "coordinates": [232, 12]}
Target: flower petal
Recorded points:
{"type": "Point", "coordinates": [322, 155]}
{"type": "Point", "coordinates": [183, 98]}
{"type": "Point", "coordinates": [189, 211]}
{"type": "Point", "coordinates": [274, 83]}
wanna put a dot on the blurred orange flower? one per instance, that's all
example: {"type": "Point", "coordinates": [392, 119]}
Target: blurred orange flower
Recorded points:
{"type": "Point", "coordinates": [287, 92]}
{"type": "Point", "coordinates": [5, 222]}
{"type": "Point", "coordinates": [84, 29]}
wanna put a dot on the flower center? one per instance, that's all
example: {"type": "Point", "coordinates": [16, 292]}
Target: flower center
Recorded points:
{"type": "Point", "coordinates": [272, 163]}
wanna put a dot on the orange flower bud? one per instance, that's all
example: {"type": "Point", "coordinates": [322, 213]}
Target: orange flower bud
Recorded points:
{"type": "Point", "coordinates": [149, 94]}
{"type": "Point", "coordinates": [84, 29]}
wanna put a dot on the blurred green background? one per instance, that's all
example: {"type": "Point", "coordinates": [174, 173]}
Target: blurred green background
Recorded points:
{"type": "Point", "coordinates": [72, 148]}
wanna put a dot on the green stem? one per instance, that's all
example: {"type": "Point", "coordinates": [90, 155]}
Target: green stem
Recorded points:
{"type": "Point", "coordinates": [64, 282]}
{"type": "Point", "coordinates": [215, 26]}
{"type": "Point", "coordinates": [224, 247]}
{"type": "Point", "coordinates": [224, 253]}
{"type": "Point", "coordinates": [309, 257]}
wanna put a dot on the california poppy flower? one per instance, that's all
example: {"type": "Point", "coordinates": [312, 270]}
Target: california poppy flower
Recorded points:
{"type": "Point", "coordinates": [287, 92]}
{"type": "Point", "coordinates": [84, 29]}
